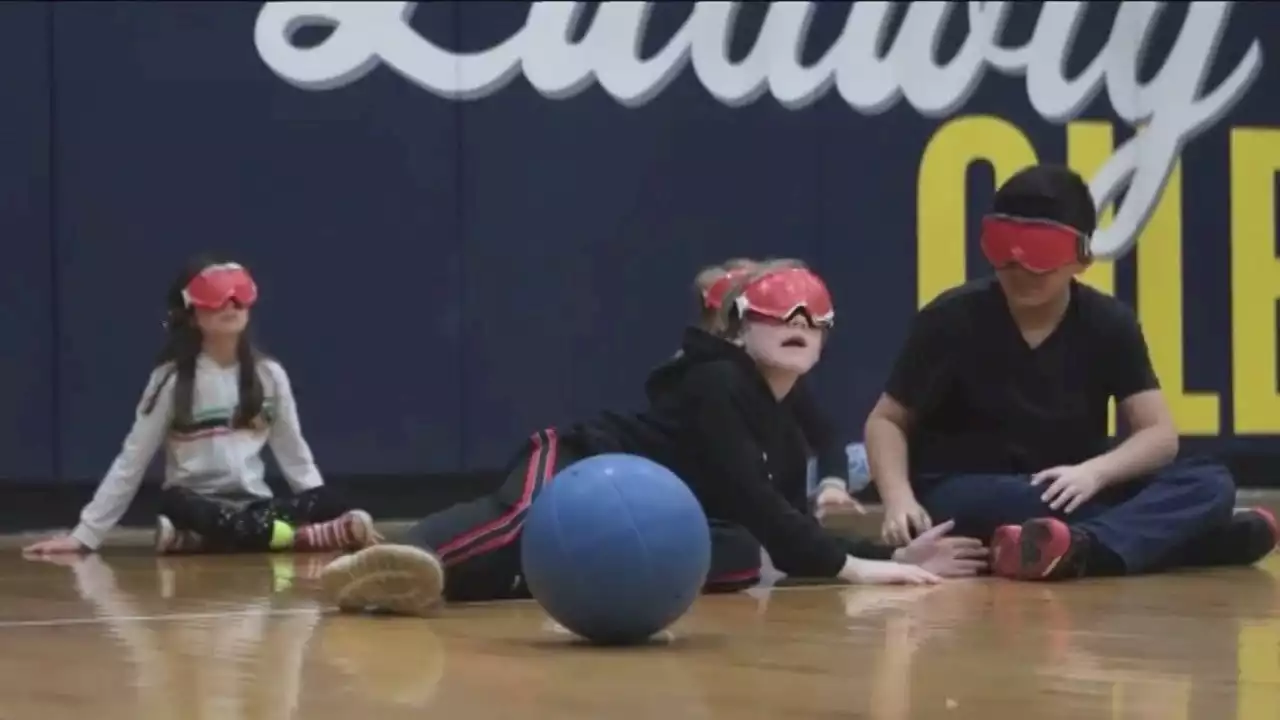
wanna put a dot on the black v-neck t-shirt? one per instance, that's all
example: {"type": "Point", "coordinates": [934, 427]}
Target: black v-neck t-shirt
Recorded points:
{"type": "Point", "coordinates": [984, 401]}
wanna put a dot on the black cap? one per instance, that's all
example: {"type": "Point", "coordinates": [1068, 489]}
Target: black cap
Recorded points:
{"type": "Point", "coordinates": [1048, 192]}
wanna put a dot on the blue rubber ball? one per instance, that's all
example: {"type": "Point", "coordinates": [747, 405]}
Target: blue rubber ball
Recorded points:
{"type": "Point", "coordinates": [616, 548]}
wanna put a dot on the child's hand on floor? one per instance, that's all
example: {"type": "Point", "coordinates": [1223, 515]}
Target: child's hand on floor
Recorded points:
{"type": "Point", "coordinates": [943, 554]}
{"type": "Point", "coordinates": [60, 545]}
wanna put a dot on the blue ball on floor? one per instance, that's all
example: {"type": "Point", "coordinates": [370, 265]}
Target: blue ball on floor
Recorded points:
{"type": "Point", "coordinates": [616, 548]}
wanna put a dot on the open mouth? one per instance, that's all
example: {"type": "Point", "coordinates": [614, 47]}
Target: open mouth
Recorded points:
{"type": "Point", "coordinates": [795, 341]}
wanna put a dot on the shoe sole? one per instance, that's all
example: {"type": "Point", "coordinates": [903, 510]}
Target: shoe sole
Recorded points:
{"type": "Point", "coordinates": [395, 578]}
{"type": "Point", "coordinates": [1041, 549]}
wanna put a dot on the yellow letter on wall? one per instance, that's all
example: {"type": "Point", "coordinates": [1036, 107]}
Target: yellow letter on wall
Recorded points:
{"type": "Point", "coordinates": [1160, 310]}
{"type": "Point", "coordinates": [942, 192]}
{"type": "Point", "coordinates": [1255, 280]}
{"type": "Point", "coordinates": [1159, 301]}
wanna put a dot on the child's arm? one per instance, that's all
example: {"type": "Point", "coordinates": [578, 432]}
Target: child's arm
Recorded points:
{"type": "Point", "coordinates": [121, 482]}
{"type": "Point", "coordinates": [286, 441]}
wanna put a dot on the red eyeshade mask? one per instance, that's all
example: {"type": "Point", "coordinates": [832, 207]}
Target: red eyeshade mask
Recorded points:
{"type": "Point", "coordinates": [781, 294]}
{"type": "Point", "coordinates": [1040, 246]}
{"type": "Point", "coordinates": [714, 295]}
{"type": "Point", "coordinates": [218, 285]}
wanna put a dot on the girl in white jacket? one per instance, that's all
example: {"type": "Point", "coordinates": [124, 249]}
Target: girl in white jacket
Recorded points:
{"type": "Point", "coordinates": [213, 402]}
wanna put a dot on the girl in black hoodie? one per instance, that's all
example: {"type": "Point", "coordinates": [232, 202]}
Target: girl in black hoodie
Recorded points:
{"type": "Point", "coordinates": [717, 419]}
{"type": "Point", "coordinates": [711, 286]}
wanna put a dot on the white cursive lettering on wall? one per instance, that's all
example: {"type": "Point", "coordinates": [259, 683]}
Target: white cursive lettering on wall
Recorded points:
{"type": "Point", "coordinates": [1172, 108]}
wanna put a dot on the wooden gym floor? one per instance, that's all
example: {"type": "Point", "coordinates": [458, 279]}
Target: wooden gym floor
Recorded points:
{"type": "Point", "coordinates": [133, 637]}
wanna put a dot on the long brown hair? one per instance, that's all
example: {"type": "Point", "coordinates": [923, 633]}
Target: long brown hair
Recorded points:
{"type": "Point", "coordinates": [182, 347]}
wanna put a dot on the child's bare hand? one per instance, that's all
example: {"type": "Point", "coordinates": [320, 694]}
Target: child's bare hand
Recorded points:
{"type": "Point", "coordinates": [60, 545]}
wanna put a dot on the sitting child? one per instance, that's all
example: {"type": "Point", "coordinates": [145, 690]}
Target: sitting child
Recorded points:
{"type": "Point", "coordinates": [214, 401]}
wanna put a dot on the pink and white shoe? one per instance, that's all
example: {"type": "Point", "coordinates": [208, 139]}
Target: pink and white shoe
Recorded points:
{"type": "Point", "coordinates": [352, 531]}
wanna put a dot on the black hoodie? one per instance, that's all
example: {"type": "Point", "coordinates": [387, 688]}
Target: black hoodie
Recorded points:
{"type": "Point", "coordinates": [714, 421]}
{"type": "Point", "coordinates": [818, 431]}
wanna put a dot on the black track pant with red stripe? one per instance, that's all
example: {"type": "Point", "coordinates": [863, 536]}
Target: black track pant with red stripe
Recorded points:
{"type": "Point", "coordinates": [479, 541]}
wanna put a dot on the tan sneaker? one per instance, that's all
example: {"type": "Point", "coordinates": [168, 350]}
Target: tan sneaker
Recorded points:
{"type": "Point", "coordinates": [400, 579]}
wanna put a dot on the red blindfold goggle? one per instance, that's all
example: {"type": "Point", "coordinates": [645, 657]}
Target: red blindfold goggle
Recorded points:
{"type": "Point", "coordinates": [715, 294]}
{"type": "Point", "coordinates": [781, 296]}
{"type": "Point", "coordinates": [1040, 246]}
{"type": "Point", "coordinates": [218, 285]}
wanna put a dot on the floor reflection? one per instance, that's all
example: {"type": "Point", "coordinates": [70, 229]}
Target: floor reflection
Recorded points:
{"type": "Point", "coordinates": [211, 648]}
{"type": "Point", "coordinates": [214, 638]}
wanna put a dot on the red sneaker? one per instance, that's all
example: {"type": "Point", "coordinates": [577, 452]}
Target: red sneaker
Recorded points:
{"type": "Point", "coordinates": [1250, 536]}
{"type": "Point", "coordinates": [1247, 538]}
{"type": "Point", "coordinates": [1270, 519]}
{"type": "Point", "coordinates": [1042, 549]}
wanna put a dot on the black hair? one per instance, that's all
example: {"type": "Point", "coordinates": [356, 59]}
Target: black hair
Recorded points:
{"type": "Point", "coordinates": [182, 347]}
{"type": "Point", "coordinates": [1049, 192]}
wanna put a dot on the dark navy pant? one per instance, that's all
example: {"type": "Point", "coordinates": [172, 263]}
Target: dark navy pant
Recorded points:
{"type": "Point", "coordinates": [1151, 523]}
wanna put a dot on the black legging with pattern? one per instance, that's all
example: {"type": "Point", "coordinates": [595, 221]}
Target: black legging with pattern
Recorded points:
{"type": "Point", "coordinates": [228, 525]}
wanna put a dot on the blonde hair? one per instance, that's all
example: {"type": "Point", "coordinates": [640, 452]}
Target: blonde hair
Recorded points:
{"type": "Point", "coordinates": [740, 263]}
{"type": "Point", "coordinates": [784, 263]}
